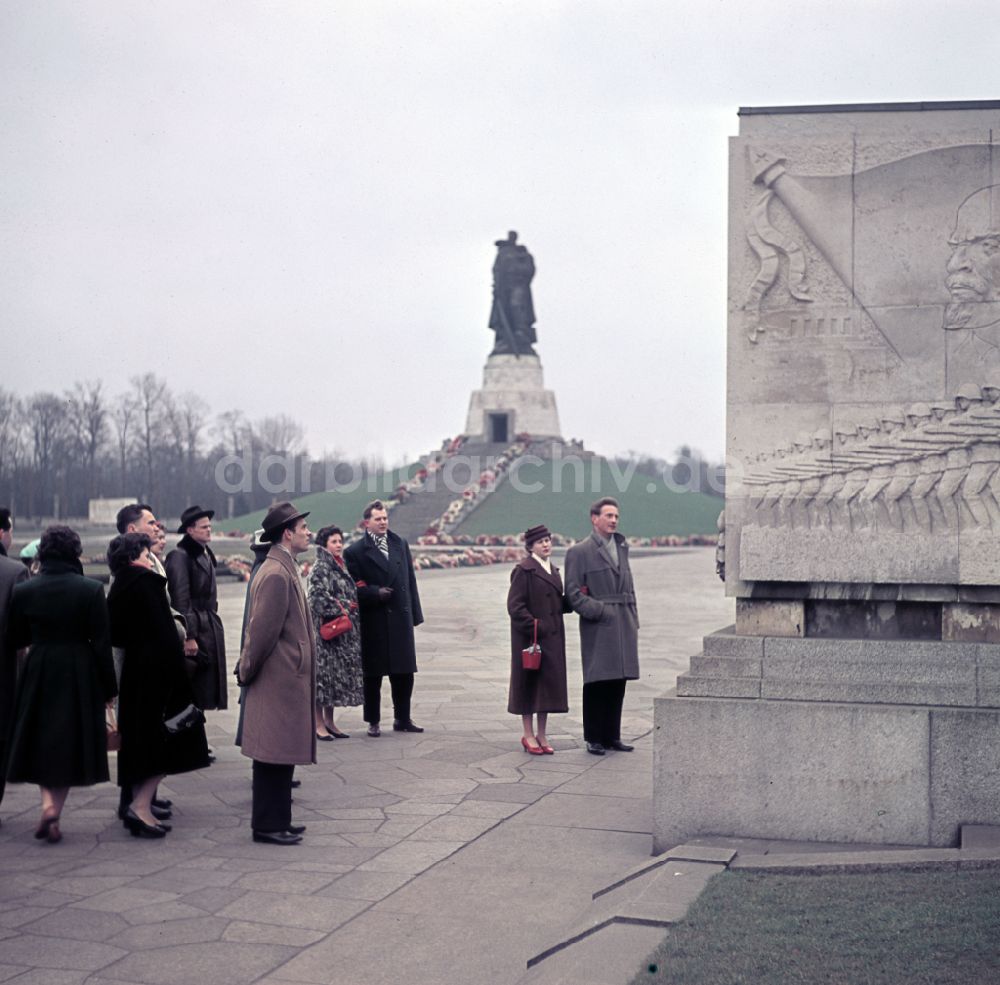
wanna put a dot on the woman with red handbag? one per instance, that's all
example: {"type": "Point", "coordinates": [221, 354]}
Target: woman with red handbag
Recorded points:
{"type": "Point", "coordinates": [536, 604]}
{"type": "Point", "coordinates": [333, 600]}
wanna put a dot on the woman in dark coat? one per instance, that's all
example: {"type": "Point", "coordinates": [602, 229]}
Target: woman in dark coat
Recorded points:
{"type": "Point", "coordinates": [154, 685]}
{"type": "Point", "coordinates": [536, 595]}
{"type": "Point", "coordinates": [59, 738]}
{"type": "Point", "coordinates": [332, 593]}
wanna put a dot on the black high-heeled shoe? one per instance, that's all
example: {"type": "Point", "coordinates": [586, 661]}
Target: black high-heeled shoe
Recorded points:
{"type": "Point", "coordinates": [48, 828]}
{"type": "Point", "coordinates": [138, 828]}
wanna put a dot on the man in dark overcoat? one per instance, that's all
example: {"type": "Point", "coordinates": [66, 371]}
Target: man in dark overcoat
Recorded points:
{"type": "Point", "coordinates": [600, 589]}
{"type": "Point", "coordinates": [11, 572]}
{"type": "Point", "coordinates": [381, 564]}
{"type": "Point", "coordinates": [191, 579]}
{"type": "Point", "coordinates": [278, 671]}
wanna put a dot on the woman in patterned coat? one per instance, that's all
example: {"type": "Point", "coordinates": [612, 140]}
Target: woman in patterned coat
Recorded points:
{"type": "Point", "coordinates": [332, 593]}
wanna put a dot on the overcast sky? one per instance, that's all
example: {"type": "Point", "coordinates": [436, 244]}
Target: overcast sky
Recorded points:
{"type": "Point", "coordinates": [290, 207]}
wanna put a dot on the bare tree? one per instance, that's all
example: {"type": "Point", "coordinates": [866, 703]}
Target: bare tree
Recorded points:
{"type": "Point", "coordinates": [234, 431]}
{"type": "Point", "coordinates": [185, 419]}
{"type": "Point", "coordinates": [47, 420]}
{"type": "Point", "coordinates": [280, 435]}
{"type": "Point", "coordinates": [123, 417]}
{"type": "Point", "coordinates": [11, 444]}
{"type": "Point", "coordinates": [150, 396]}
{"type": "Point", "coordinates": [88, 424]}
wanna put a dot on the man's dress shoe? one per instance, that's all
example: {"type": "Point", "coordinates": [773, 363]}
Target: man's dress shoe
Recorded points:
{"type": "Point", "coordinates": [621, 746]}
{"type": "Point", "coordinates": [277, 837]}
{"type": "Point", "coordinates": [374, 731]}
{"type": "Point", "coordinates": [398, 726]}
{"type": "Point", "coordinates": [296, 829]}
{"type": "Point", "coordinates": [595, 749]}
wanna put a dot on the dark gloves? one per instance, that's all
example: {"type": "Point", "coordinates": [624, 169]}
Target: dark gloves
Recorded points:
{"type": "Point", "coordinates": [384, 594]}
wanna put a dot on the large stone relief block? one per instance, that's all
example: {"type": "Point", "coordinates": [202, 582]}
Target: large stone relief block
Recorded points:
{"type": "Point", "coordinates": [864, 349]}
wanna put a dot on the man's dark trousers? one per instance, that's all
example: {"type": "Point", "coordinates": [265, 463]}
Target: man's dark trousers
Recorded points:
{"type": "Point", "coordinates": [602, 711]}
{"type": "Point", "coordinates": [272, 796]}
{"type": "Point", "coordinates": [402, 691]}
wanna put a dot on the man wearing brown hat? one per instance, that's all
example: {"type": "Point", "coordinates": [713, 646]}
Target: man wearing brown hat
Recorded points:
{"type": "Point", "coordinates": [278, 673]}
{"type": "Point", "coordinates": [191, 581]}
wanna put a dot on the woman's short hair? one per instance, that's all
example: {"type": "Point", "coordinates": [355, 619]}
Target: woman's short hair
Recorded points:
{"type": "Point", "coordinates": [59, 543]}
{"type": "Point", "coordinates": [125, 549]}
{"type": "Point", "coordinates": [325, 533]}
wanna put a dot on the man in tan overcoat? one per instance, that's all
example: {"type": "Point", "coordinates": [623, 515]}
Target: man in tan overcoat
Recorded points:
{"type": "Point", "coordinates": [278, 671]}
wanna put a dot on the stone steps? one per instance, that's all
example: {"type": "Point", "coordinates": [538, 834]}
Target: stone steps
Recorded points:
{"type": "Point", "coordinates": [868, 671]}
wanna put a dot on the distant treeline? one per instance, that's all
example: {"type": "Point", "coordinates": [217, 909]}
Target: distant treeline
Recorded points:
{"type": "Point", "coordinates": [59, 451]}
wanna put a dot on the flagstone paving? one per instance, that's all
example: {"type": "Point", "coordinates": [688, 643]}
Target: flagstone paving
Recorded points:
{"type": "Point", "coordinates": [450, 856]}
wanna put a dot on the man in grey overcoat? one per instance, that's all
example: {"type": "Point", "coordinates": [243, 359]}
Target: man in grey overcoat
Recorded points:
{"type": "Point", "coordinates": [11, 572]}
{"type": "Point", "coordinates": [278, 671]}
{"type": "Point", "coordinates": [600, 589]}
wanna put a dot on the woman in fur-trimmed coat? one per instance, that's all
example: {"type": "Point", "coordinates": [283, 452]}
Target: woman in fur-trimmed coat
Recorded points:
{"type": "Point", "coordinates": [536, 596]}
{"type": "Point", "coordinates": [332, 593]}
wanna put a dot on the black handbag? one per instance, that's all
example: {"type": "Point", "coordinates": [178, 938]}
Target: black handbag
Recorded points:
{"type": "Point", "coordinates": [184, 720]}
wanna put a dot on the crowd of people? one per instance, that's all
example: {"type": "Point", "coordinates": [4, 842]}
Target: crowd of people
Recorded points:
{"type": "Point", "coordinates": [133, 670]}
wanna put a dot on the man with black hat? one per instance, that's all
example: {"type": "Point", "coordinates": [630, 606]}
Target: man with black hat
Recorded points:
{"type": "Point", "coordinates": [191, 580]}
{"type": "Point", "coordinates": [278, 673]}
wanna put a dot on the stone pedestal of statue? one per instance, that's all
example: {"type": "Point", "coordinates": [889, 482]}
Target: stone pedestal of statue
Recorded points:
{"type": "Point", "coordinates": [513, 400]}
{"type": "Point", "coordinates": [857, 697]}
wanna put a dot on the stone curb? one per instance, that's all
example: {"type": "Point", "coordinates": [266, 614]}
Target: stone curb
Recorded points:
{"type": "Point", "coordinates": [827, 863]}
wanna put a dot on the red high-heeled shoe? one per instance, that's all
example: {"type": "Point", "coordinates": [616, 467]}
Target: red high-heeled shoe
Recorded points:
{"type": "Point", "coordinates": [532, 750]}
{"type": "Point", "coordinates": [547, 749]}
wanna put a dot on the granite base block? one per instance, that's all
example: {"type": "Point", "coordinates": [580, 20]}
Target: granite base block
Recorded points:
{"type": "Point", "coordinates": [970, 622]}
{"type": "Point", "coordinates": [705, 666]}
{"type": "Point", "coordinates": [869, 692]}
{"type": "Point", "coordinates": [691, 686]}
{"type": "Point", "coordinates": [965, 775]}
{"type": "Point", "coordinates": [758, 617]}
{"type": "Point", "coordinates": [988, 681]}
{"type": "Point", "coordinates": [726, 643]}
{"type": "Point", "coordinates": [857, 773]}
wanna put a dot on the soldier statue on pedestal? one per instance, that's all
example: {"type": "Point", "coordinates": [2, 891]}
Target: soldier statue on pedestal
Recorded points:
{"type": "Point", "coordinates": [513, 315]}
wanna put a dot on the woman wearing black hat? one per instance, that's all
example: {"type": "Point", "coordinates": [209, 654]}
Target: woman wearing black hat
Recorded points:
{"type": "Point", "coordinates": [536, 604]}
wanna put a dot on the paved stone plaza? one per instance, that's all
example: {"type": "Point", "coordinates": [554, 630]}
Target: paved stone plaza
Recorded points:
{"type": "Point", "coordinates": [450, 856]}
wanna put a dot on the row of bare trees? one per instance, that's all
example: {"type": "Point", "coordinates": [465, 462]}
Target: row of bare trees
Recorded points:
{"type": "Point", "coordinates": [60, 450]}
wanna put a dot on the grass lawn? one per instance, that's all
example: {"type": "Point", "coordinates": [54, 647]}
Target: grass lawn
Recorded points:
{"type": "Point", "coordinates": [562, 503]}
{"type": "Point", "coordinates": [886, 928]}
{"type": "Point", "coordinates": [341, 506]}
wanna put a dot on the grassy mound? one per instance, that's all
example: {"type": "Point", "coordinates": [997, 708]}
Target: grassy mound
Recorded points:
{"type": "Point", "coordinates": [341, 506]}
{"type": "Point", "coordinates": [559, 495]}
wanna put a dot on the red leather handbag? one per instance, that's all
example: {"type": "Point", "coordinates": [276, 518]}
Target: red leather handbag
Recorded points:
{"type": "Point", "coordinates": [531, 656]}
{"type": "Point", "coordinates": [337, 626]}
